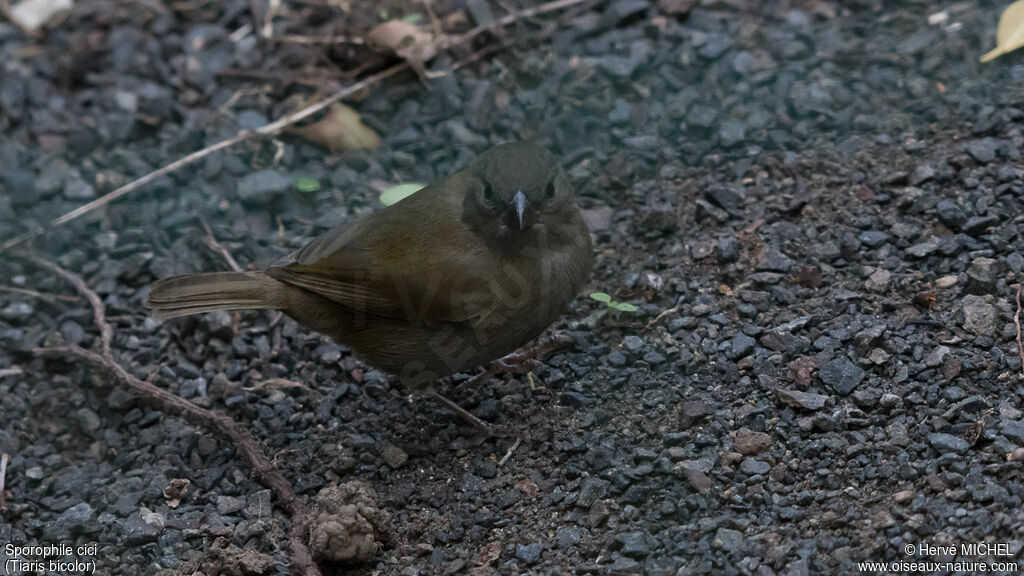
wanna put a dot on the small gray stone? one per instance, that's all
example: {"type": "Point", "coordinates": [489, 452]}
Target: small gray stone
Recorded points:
{"type": "Point", "coordinates": [623, 10]}
{"type": "Point", "coordinates": [263, 186]}
{"type": "Point", "coordinates": [752, 467]}
{"type": "Point", "coordinates": [924, 249]}
{"type": "Point", "coordinates": [634, 544]}
{"type": "Point", "coordinates": [75, 188]}
{"type": "Point", "coordinates": [873, 238]}
{"type": "Point", "coordinates": [529, 553]}
{"type": "Point", "coordinates": [878, 281]}
{"type": "Point", "coordinates": [17, 312]}
{"type": "Point", "coordinates": [842, 375]}
{"type": "Point", "coordinates": [922, 174]}
{"type": "Point", "coordinates": [731, 134]}
{"type": "Point", "coordinates": [393, 455]}
{"type": "Point", "coordinates": [805, 400]}
{"type": "Point", "coordinates": [728, 540]}
{"type": "Point", "coordinates": [773, 260]}
{"type": "Point", "coordinates": [88, 420]}
{"type": "Point", "coordinates": [227, 505]}
{"type": "Point", "coordinates": [633, 343]}
{"type": "Point", "coordinates": [946, 443]}
{"type": "Point", "coordinates": [984, 151]}
{"type": "Point", "coordinates": [591, 490]}
{"type": "Point", "coordinates": [567, 537]}
{"type": "Point", "coordinates": [72, 521]}
{"type": "Point", "coordinates": [72, 332]}
{"type": "Point", "coordinates": [714, 46]}
{"type": "Point", "coordinates": [143, 526]}
{"type": "Point", "coordinates": [982, 276]}
{"type": "Point", "coordinates": [977, 225]}
{"type": "Point", "coordinates": [951, 215]}
{"type": "Point", "coordinates": [220, 325]}
{"type": "Point", "coordinates": [1014, 430]}
{"type": "Point", "coordinates": [979, 315]}
{"type": "Point", "coordinates": [654, 358]}
{"type": "Point", "coordinates": [616, 358]}
{"type": "Point", "coordinates": [480, 12]}
{"type": "Point", "coordinates": [741, 345]}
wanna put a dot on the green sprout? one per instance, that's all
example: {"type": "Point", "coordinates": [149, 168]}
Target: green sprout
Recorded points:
{"type": "Point", "coordinates": [620, 306]}
{"type": "Point", "coordinates": [394, 194]}
{"type": "Point", "coordinates": [307, 185]}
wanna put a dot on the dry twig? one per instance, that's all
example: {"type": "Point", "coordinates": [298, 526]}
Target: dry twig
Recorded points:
{"type": "Point", "coordinates": [40, 295]}
{"type": "Point", "coordinates": [1016, 322]}
{"type": "Point", "coordinates": [278, 125]}
{"type": "Point", "coordinates": [662, 315]}
{"type": "Point", "coordinates": [3, 480]}
{"type": "Point", "coordinates": [316, 40]}
{"type": "Point", "coordinates": [211, 242]}
{"type": "Point", "coordinates": [511, 450]}
{"type": "Point", "coordinates": [301, 559]}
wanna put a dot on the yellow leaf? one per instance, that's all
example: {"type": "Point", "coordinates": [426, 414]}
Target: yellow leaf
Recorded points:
{"type": "Point", "coordinates": [340, 131]}
{"type": "Point", "coordinates": [396, 193]}
{"type": "Point", "coordinates": [1010, 33]}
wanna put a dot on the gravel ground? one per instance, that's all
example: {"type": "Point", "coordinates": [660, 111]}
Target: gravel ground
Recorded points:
{"type": "Point", "coordinates": [813, 204]}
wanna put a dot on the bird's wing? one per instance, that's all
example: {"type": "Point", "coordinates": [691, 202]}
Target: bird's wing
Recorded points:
{"type": "Point", "coordinates": [408, 263]}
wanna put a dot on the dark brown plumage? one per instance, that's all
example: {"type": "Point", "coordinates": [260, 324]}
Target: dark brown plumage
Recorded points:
{"type": "Point", "coordinates": [463, 272]}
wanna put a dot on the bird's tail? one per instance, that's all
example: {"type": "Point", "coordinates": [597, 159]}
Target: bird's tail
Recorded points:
{"type": "Point", "coordinates": [207, 292]}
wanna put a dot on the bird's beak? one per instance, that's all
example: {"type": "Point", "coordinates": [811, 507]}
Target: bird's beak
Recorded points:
{"type": "Point", "coordinates": [520, 201]}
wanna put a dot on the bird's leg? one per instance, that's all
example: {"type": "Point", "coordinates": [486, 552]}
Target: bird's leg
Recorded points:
{"type": "Point", "coordinates": [522, 360]}
{"type": "Point", "coordinates": [517, 362]}
{"type": "Point", "coordinates": [488, 430]}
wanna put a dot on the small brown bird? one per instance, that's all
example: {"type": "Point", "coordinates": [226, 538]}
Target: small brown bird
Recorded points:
{"type": "Point", "coordinates": [461, 273]}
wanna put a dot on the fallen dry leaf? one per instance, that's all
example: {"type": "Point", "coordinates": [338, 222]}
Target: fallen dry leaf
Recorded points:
{"type": "Point", "coordinates": [403, 40]}
{"type": "Point", "coordinates": [33, 15]}
{"type": "Point", "coordinates": [925, 299]}
{"type": "Point", "coordinates": [340, 131]}
{"type": "Point", "coordinates": [1010, 33]}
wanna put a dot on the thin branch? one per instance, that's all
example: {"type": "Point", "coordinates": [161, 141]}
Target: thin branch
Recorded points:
{"type": "Point", "coordinates": [40, 295]}
{"type": "Point", "coordinates": [11, 372]}
{"type": "Point", "coordinates": [1016, 322]}
{"type": "Point", "coordinates": [3, 480]}
{"type": "Point", "coordinates": [263, 131]}
{"type": "Point", "coordinates": [511, 450]}
{"type": "Point", "coordinates": [449, 41]}
{"type": "Point", "coordinates": [662, 315]}
{"type": "Point", "coordinates": [271, 129]}
{"type": "Point", "coordinates": [211, 242]}
{"type": "Point", "coordinates": [265, 473]}
{"type": "Point", "coordinates": [99, 311]}
{"type": "Point", "coordinates": [315, 40]}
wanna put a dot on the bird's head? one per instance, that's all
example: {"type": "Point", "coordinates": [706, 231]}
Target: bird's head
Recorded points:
{"type": "Point", "coordinates": [517, 190]}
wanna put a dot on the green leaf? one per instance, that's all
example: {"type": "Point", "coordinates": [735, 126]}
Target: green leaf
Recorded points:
{"type": "Point", "coordinates": [307, 185]}
{"type": "Point", "coordinates": [413, 18]}
{"type": "Point", "coordinates": [601, 297]}
{"type": "Point", "coordinates": [394, 194]}
{"type": "Point", "coordinates": [623, 307]}
{"type": "Point", "coordinates": [383, 14]}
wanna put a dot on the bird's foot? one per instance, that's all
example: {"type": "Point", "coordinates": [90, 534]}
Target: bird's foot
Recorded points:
{"type": "Point", "coordinates": [485, 430]}
{"type": "Point", "coordinates": [527, 358]}
{"type": "Point", "coordinates": [521, 361]}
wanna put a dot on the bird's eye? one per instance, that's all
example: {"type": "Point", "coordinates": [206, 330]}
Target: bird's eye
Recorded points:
{"type": "Point", "coordinates": [549, 191]}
